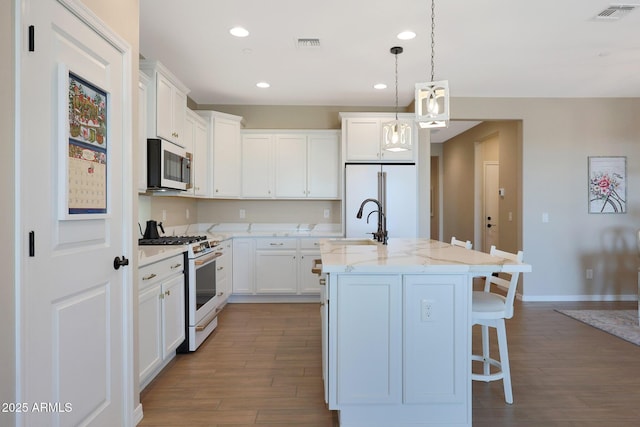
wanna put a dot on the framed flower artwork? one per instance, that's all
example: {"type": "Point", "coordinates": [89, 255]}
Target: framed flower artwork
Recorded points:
{"type": "Point", "coordinates": [607, 184]}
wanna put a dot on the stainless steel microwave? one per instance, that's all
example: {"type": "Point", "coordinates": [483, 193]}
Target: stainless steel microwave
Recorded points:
{"type": "Point", "coordinates": [168, 166]}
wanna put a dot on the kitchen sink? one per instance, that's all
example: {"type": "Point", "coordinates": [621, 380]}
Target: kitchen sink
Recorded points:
{"type": "Point", "coordinates": [353, 242]}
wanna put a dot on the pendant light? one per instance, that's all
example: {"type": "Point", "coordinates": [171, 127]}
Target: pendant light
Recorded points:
{"type": "Point", "coordinates": [396, 135]}
{"type": "Point", "coordinates": [432, 98]}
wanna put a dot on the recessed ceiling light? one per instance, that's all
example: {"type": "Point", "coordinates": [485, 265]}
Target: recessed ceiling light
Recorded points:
{"type": "Point", "coordinates": [406, 35]}
{"type": "Point", "coordinates": [239, 32]}
{"type": "Point", "coordinates": [379, 86]}
{"type": "Point", "coordinates": [263, 85]}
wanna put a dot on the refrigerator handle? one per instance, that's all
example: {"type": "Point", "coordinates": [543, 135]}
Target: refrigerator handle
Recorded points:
{"type": "Point", "coordinates": [382, 191]}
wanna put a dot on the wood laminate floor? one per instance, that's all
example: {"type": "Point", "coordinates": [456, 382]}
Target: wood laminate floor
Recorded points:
{"type": "Point", "coordinates": [262, 367]}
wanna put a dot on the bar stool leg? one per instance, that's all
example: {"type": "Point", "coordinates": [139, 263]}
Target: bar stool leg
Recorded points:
{"type": "Point", "coordinates": [486, 354]}
{"type": "Point", "coordinates": [504, 360]}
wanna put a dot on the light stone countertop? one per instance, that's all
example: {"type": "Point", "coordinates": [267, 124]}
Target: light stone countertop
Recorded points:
{"type": "Point", "coordinates": [409, 256]}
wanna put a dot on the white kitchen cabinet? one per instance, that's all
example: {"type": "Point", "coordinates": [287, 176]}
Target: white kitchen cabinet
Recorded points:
{"type": "Point", "coordinates": [307, 165]}
{"type": "Point", "coordinates": [391, 360]}
{"type": "Point", "coordinates": [173, 315]}
{"type": "Point", "coordinates": [143, 82]}
{"type": "Point", "coordinates": [362, 138]}
{"type": "Point", "coordinates": [276, 266]}
{"type": "Point", "coordinates": [257, 166]}
{"type": "Point", "coordinates": [308, 282]}
{"type": "Point", "coordinates": [161, 315]}
{"type": "Point", "coordinates": [196, 143]}
{"type": "Point", "coordinates": [167, 103]}
{"type": "Point", "coordinates": [243, 266]}
{"type": "Point", "coordinates": [224, 141]}
{"type": "Point", "coordinates": [291, 166]}
{"type": "Point", "coordinates": [223, 270]}
{"type": "Point", "coordinates": [366, 333]}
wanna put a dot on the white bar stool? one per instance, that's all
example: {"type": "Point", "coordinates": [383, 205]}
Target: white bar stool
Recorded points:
{"type": "Point", "coordinates": [489, 310]}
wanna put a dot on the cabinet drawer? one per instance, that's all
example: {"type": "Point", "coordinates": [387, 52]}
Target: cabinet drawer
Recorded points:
{"type": "Point", "coordinates": [160, 270]}
{"type": "Point", "coordinates": [306, 243]}
{"type": "Point", "coordinates": [276, 243]}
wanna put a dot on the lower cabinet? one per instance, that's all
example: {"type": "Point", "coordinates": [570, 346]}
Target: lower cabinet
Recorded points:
{"type": "Point", "coordinates": [275, 266]}
{"type": "Point", "coordinates": [161, 316]}
{"type": "Point", "coordinates": [224, 276]}
{"type": "Point", "coordinates": [396, 348]}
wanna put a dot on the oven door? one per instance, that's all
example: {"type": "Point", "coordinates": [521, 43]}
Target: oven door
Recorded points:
{"type": "Point", "coordinates": [205, 290]}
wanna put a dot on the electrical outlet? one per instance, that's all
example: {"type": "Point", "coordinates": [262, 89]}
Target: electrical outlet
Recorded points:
{"type": "Point", "coordinates": [243, 213]}
{"type": "Point", "coordinates": [327, 213]}
{"type": "Point", "coordinates": [589, 274]}
{"type": "Point", "coordinates": [164, 214]}
{"type": "Point", "coordinates": [187, 214]}
{"type": "Point", "coordinates": [426, 310]}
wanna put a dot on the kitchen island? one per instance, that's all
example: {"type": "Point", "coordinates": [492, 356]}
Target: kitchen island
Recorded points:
{"type": "Point", "coordinates": [396, 323]}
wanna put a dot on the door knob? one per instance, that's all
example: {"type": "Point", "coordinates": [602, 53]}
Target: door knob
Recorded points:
{"type": "Point", "coordinates": [120, 262]}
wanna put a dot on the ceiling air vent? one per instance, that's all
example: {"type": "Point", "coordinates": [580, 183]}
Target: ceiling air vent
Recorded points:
{"type": "Point", "coordinates": [615, 12]}
{"type": "Point", "coordinates": [307, 42]}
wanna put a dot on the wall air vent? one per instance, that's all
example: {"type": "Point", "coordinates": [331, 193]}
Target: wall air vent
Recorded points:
{"type": "Point", "coordinates": [615, 12]}
{"type": "Point", "coordinates": [307, 42]}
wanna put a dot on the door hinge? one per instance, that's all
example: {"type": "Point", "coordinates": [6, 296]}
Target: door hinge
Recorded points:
{"type": "Point", "coordinates": [32, 38]}
{"type": "Point", "coordinates": [32, 243]}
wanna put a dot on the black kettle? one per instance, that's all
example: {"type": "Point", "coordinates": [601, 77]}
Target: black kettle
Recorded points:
{"type": "Point", "coordinates": [151, 232]}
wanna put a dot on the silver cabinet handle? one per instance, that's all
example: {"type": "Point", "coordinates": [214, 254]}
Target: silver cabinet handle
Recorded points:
{"type": "Point", "coordinates": [276, 244]}
{"type": "Point", "coordinates": [149, 277]}
{"type": "Point", "coordinates": [173, 267]}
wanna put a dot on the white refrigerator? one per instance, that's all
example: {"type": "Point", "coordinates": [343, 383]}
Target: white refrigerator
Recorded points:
{"type": "Point", "coordinates": [395, 186]}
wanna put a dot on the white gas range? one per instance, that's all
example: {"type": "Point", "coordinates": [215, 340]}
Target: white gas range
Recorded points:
{"type": "Point", "coordinates": [202, 302]}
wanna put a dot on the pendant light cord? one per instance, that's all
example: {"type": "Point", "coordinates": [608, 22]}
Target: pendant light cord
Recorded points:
{"type": "Point", "coordinates": [433, 43]}
{"type": "Point", "coordinates": [396, 55]}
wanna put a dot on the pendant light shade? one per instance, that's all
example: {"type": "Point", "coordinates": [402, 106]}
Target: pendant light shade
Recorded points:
{"type": "Point", "coordinates": [396, 135]}
{"type": "Point", "coordinates": [432, 98]}
{"type": "Point", "coordinates": [432, 104]}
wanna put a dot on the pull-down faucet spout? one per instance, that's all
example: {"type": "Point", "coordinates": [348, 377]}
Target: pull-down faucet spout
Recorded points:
{"type": "Point", "coordinates": [381, 234]}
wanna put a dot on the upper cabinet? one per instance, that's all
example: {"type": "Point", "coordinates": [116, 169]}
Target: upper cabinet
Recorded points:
{"type": "Point", "coordinates": [196, 143]}
{"type": "Point", "coordinates": [143, 82]}
{"type": "Point", "coordinates": [167, 103]}
{"type": "Point", "coordinates": [224, 143]}
{"type": "Point", "coordinates": [308, 165]}
{"type": "Point", "coordinates": [362, 138]}
{"type": "Point", "coordinates": [291, 164]}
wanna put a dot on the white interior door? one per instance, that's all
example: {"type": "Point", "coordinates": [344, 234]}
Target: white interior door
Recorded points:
{"type": "Point", "coordinates": [75, 309]}
{"type": "Point", "coordinates": [491, 201]}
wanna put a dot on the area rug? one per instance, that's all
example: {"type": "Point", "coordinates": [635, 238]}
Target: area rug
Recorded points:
{"type": "Point", "coordinates": [621, 323]}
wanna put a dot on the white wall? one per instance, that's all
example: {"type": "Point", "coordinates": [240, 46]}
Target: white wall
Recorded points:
{"type": "Point", "coordinates": [558, 136]}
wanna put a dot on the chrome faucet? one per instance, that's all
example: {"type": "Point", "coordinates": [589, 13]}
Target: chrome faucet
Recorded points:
{"type": "Point", "coordinates": [381, 234]}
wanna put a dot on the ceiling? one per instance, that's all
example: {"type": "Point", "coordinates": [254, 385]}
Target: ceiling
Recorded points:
{"type": "Point", "coordinates": [490, 48]}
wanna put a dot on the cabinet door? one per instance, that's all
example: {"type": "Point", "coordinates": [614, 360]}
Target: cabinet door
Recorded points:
{"type": "Point", "coordinates": [189, 129]}
{"type": "Point", "coordinates": [323, 167]}
{"type": "Point", "coordinates": [226, 158]}
{"type": "Point", "coordinates": [173, 315]}
{"type": "Point", "coordinates": [366, 326]}
{"type": "Point", "coordinates": [442, 376]}
{"type": "Point", "coordinates": [363, 139]}
{"type": "Point", "coordinates": [201, 164]}
{"type": "Point", "coordinates": [276, 272]}
{"type": "Point", "coordinates": [223, 271]}
{"type": "Point", "coordinates": [257, 169]}
{"type": "Point", "coordinates": [178, 111]}
{"type": "Point", "coordinates": [149, 331]}
{"type": "Point", "coordinates": [142, 132]}
{"type": "Point", "coordinates": [309, 283]}
{"type": "Point", "coordinates": [164, 108]}
{"type": "Point", "coordinates": [291, 166]}
{"type": "Point", "coordinates": [243, 266]}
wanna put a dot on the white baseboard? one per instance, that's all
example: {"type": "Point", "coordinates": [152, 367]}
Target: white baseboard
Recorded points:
{"type": "Point", "coordinates": [566, 298]}
{"type": "Point", "coordinates": [238, 298]}
{"type": "Point", "coordinates": [137, 414]}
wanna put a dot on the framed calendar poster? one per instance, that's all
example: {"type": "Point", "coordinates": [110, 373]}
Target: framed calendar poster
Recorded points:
{"type": "Point", "coordinates": [85, 154]}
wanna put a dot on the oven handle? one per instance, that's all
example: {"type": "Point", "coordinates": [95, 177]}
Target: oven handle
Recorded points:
{"type": "Point", "coordinates": [208, 319]}
{"type": "Point", "coordinates": [206, 259]}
